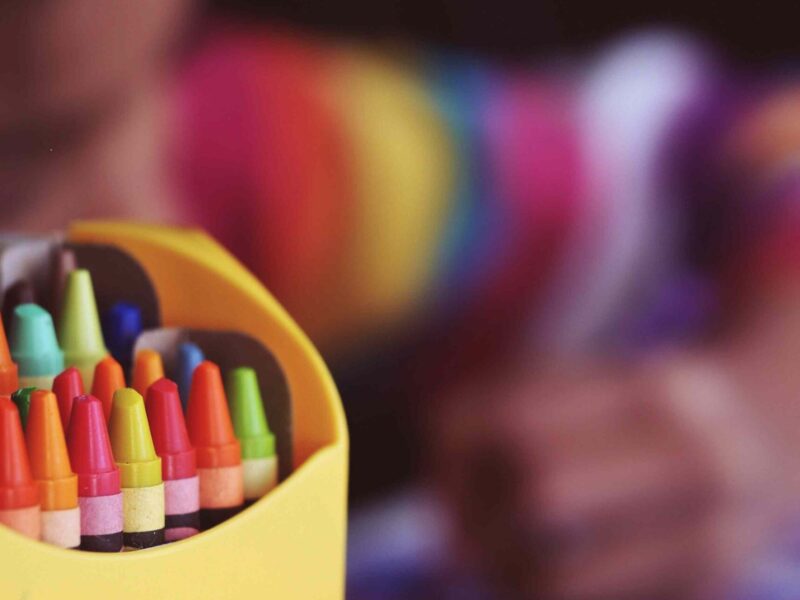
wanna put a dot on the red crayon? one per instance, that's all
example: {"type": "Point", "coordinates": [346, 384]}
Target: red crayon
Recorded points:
{"type": "Point", "coordinates": [178, 460]}
{"type": "Point", "coordinates": [99, 492]}
{"type": "Point", "coordinates": [67, 386]}
{"type": "Point", "coordinates": [19, 494]}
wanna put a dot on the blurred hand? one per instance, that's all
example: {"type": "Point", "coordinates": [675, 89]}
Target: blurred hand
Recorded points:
{"type": "Point", "coordinates": [609, 483]}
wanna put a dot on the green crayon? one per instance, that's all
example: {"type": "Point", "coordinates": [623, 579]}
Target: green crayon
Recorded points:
{"type": "Point", "coordinates": [79, 326]}
{"type": "Point", "coordinates": [22, 398]}
{"type": "Point", "coordinates": [259, 460]}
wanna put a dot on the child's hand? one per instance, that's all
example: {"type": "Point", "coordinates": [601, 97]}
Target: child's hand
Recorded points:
{"type": "Point", "coordinates": [608, 483]}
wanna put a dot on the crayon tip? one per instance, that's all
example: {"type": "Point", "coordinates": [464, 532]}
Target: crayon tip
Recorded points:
{"type": "Point", "coordinates": [47, 447]}
{"type": "Point", "coordinates": [189, 356]}
{"type": "Point", "coordinates": [20, 292]}
{"type": "Point", "coordinates": [209, 421]}
{"type": "Point", "coordinates": [9, 378]}
{"type": "Point", "coordinates": [178, 460]}
{"type": "Point", "coordinates": [147, 369]}
{"type": "Point", "coordinates": [22, 398]}
{"type": "Point", "coordinates": [17, 487]}
{"type": "Point", "coordinates": [79, 325]}
{"type": "Point", "coordinates": [63, 262]}
{"type": "Point", "coordinates": [122, 324]}
{"type": "Point", "coordinates": [247, 412]}
{"type": "Point", "coordinates": [33, 342]}
{"type": "Point", "coordinates": [131, 441]}
{"type": "Point", "coordinates": [108, 378]}
{"type": "Point", "coordinates": [67, 386]}
{"type": "Point", "coordinates": [90, 449]}
{"type": "Point", "coordinates": [47, 450]}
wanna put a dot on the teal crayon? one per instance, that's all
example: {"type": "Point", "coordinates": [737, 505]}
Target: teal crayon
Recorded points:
{"type": "Point", "coordinates": [34, 347]}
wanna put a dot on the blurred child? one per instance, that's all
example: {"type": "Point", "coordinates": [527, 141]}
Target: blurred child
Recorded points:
{"type": "Point", "coordinates": [597, 264]}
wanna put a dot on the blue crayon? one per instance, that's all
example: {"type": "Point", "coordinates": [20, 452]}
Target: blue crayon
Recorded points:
{"type": "Point", "coordinates": [122, 324]}
{"type": "Point", "coordinates": [189, 356]}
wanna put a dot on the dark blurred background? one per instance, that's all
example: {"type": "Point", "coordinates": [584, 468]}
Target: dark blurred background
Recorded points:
{"type": "Point", "coordinates": [519, 30]}
{"type": "Point", "coordinates": [515, 33]}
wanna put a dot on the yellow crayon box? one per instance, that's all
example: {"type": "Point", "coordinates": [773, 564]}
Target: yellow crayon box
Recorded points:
{"type": "Point", "coordinates": [291, 543]}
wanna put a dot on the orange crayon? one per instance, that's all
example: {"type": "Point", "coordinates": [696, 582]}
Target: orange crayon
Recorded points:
{"type": "Point", "coordinates": [147, 369]}
{"type": "Point", "coordinates": [19, 494]}
{"type": "Point", "coordinates": [219, 461]}
{"type": "Point", "coordinates": [50, 466]}
{"type": "Point", "coordinates": [9, 379]}
{"type": "Point", "coordinates": [108, 378]}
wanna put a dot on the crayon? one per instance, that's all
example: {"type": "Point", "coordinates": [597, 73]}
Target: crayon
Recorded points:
{"type": "Point", "coordinates": [140, 470]}
{"type": "Point", "coordinates": [63, 262]}
{"type": "Point", "coordinates": [58, 485]}
{"type": "Point", "coordinates": [34, 347]}
{"type": "Point", "coordinates": [108, 378]}
{"type": "Point", "coordinates": [178, 460]}
{"type": "Point", "coordinates": [67, 386]}
{"type": "Point", "coordinates": [219, 461]}
{"type": "Point", "coordinates": [9, 375]}
{"type": "Point", "coordinates": [99, 493]}
{"type": "Point", "coordinates": [259, 461]}
{"type": "Point", "coordinates": [79, 326]}
{"type": "Point", "coordinates": [122, 324]}
{"type": "Point", "coordinates": [147, 369]}
{"type": "Point", "coordinates": [19, 494]}
{"type": "Point", "coordinates": [189, 356]}
{"type": "Point", "coordinates": [22, 398]}
{"type": "Point", "coordinates": [21, 292]}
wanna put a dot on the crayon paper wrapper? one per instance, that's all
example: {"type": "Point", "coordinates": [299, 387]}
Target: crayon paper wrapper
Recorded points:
{"type": "Point", "coordinates": [143, 508]}
{"type": "Point", "coordinates": [41, 382]}
{"type": "Point", "coordinates": [260, 476]}
{"type": "Point", "coordinates": [182, 496]}
{"type": "Point", "coordinates": [101, 515]}
{"type": "Point", "coordinates": [222, 487]}
{"type": "Point", "coordinates": [23, 520]}
{"type": "Point", "coordinates": [62, 527]}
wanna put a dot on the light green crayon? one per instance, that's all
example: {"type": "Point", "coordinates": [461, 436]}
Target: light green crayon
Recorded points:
{"type": "Point", "coordinates": [79, 326]}
{"type": "Point", "coordinates": [259, 460]}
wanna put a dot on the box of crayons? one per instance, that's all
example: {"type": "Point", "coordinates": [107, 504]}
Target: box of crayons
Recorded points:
{"type": "Point", "coordinates": [166, 430]}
